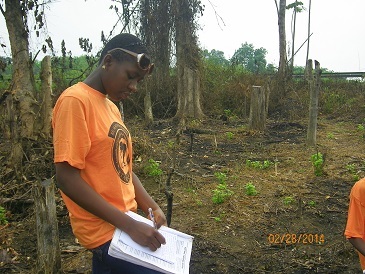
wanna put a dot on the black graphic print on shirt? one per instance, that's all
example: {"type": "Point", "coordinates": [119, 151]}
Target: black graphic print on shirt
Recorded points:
{"type": "Point", "coordinates": [120, 154]}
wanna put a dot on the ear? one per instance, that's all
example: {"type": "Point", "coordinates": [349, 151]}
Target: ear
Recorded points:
{"type": "Point", "coordinates": [106, 62]}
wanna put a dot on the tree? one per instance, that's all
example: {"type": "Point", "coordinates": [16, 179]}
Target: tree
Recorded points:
{"type": "Point", "coordinates": [282, 37]}
{"type": "Point", "coordinates": [253, 60]}
{"type": "Point", "coordinates": [23, 104]}
{"type": "Point", "coordinates": [297, 7]}
{"type": "Point", "coordinates": [187, 59]}
{"type": "Point", "coordinates": [215, 57]}
{"type": "Point", "coordinates": [156, 26]}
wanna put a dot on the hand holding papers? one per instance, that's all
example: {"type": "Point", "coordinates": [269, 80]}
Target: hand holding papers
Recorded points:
{"type": "Point", "coordinates": [173, 257]}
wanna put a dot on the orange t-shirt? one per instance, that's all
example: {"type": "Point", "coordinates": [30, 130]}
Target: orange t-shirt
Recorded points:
{"type": "Point", "coordinates": [355, 227]}
{"type": "Point", "coordinates": [89, 134]}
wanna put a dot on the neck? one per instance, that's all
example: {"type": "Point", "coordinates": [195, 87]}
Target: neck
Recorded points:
{"type": "Point", "coordinates": [94, 81]}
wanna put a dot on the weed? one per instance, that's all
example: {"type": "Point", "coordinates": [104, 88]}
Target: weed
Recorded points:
{"type": "Point", "coordinates": [199, 202]}
{"type": "Point", "coordinates": [250, 189]}
{"type": "Point", "coordinates": [317, 162]}
{"type": "Point", "coordinates": [153, 168]}
{"type": "Point", "coordinates": [352, 169]}
{"type": "Point", "coordinates": [221, 193]}
{"type": "Point", "coordinates": [228, 112]}
{"type": "Point", "coordinates": [3, 220]}
{"type": "Point", "coordinates": [312, 203]}
{"type": "Point", "coordinates": [360, 127]}
{"type": "Point", "coordinates": [170, 144]}
{"type": "Point", "coordinates": [330, 136]}
{"type": "Point", "coordinates": [229, 135]}
{"type": "Point", "coordinates": [288, 200]}
{"type": "Point", "coordinates": [259, 165]}
{"type": "Point", "coordinates": [217, 219]}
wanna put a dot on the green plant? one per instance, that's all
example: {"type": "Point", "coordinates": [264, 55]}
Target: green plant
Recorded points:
{"type": "Point", "coordinates": [3, 220]}
{"type": "Point", "coordinates": [229, 135]}
{"type": "Point", "coordinates": [288, 200]}
{"type": "Point", "coordinates": [153, 168]}
{"type": "Point", "coordinates": [312, 203]}
{"type": "Point", "coordinates": [330, 136]}
{"type": "Point", "coordinates": [250, 189]}
{"type": "Point", "coordinates": [352, 169]}
{"type": "Point", "coordinates": [259, 165]}
{"type": "Point", "coordinates": [221, 193]}
{"type": "Point", "coordinates": [360, 127]}
{"type": "Point", "coordinates": [317, 162]}
{"type": "Point", "coordinates": [170, 144]}
{"type": "Point", "coordinates": [228, 112]}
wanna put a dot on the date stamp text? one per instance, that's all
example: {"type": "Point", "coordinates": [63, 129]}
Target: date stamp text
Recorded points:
{"type": "Point", "coordinates": [295, 238]}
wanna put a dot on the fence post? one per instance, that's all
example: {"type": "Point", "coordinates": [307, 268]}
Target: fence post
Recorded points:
{"type": "Point", "coordinates": [48, 247]}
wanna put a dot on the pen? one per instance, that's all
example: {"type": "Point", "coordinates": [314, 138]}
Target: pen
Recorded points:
{"type": "Point", "coordinates": [152, 217]}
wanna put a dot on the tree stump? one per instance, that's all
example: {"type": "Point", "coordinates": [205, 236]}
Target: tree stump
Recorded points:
{"type": "Point", "coordinates": [48, 248]}
{"type": "Point", "coordinates": [258, 108]}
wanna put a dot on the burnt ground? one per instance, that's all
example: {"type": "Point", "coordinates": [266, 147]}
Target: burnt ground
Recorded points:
{"type": "Point", "coordinates": [245, 233]}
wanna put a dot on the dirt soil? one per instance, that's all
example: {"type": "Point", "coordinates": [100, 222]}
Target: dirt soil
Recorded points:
{"type": "Point", "coordinates": [294, 224]}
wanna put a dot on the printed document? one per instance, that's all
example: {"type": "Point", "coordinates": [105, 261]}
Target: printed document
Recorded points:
{"type": "Point", "coordinates": [173, 257]}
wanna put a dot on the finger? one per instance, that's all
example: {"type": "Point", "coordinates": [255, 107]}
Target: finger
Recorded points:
{"type": "Point", "coordinates": [152, 247]}
{"type": "Point", "coordinates": [160, 239]}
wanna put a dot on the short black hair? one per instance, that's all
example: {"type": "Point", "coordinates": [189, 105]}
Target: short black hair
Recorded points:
{"type": "Point", "coordinates": [126, 41]}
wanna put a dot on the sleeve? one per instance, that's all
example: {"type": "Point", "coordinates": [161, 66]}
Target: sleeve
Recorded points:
{"type": "Point", "coordinates": [355, 219]}
{"type": "Point", "coordinates": [71, 138]}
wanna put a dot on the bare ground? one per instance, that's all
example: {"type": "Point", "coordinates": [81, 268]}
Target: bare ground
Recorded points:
{"type": "Point", "coordinates": [294, 224]}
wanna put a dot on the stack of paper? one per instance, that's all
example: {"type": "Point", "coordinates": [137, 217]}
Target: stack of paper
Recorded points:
{"type": "Point", "coordinates": [173, 257]}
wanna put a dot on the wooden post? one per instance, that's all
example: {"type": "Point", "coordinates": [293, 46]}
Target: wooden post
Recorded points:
{"type": "Point", "coordinates": [314, 85]}
{"type": "Point", "coordinates": [170, 196]}
{"type": "Point", "coordinates": [48, 248]}
{"type": "Point", "coordinates": [258, 108]}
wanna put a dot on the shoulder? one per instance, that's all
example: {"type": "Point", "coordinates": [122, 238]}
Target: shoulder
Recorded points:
{"type": "Point", "coordinates": [358, 190]}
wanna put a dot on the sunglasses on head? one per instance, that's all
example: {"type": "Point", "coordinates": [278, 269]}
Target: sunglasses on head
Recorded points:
{"type": "Point", "coordinates": [143, 61]}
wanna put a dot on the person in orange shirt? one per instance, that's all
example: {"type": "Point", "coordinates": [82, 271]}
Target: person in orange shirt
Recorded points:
{"type": "Point", "coordinates": [93, 156]}
{"type": "Point", "coordinates": [355, 227]}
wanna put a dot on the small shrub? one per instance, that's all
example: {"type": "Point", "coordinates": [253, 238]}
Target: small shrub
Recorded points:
{"type": "Point", "coordinates": [288, 200]}
{"type": "Point", "coordinates": [153, 168]}
{"type": "Point", "coordinates": [351, 168]}
{"type": "Point", "coordinates": [229, 135]}
{"type": "Point", "coordinates": [221, 193]}
{"type": "Point", "coordinates": [250, 189]}
{"type": "Point", "coordinates": [312, 203]}
{"type": "Point", "coordinates": [317, 162]}
{"type": "Point", "coordinates": [259, 165]}
{"type": "Point", "coordinates": [3, 220]}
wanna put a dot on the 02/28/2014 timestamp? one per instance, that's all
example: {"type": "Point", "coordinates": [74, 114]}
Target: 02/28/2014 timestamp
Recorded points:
{"type": "Point", "coordinates": [293, 238]}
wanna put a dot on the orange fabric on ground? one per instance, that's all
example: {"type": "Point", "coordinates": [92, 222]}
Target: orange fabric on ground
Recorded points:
{"type": "Point", "coordinates": [355, 227]}
{"type": "Point", "coordinates": [89, 134]}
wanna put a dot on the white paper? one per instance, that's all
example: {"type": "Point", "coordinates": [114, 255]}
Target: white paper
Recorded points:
{"type": "Point", "coordinates": [173, 257]}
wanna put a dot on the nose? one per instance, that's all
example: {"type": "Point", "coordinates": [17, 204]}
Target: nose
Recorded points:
{"type": "Point", "coordinates": [133, 86]}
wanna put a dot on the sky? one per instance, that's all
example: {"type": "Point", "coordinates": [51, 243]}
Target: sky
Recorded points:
{"type": "Point", "coordinates": [337, 27]}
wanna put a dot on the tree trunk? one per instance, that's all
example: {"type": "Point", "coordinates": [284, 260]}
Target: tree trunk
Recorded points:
{"type": "Point", "coordinates": [282, 38]}
{"type": "Point", "coordinates": [49, 256]}
{"type": "Point", "coordinates": [309, 35]}
{"type": "Point", "coordinates": [23, 82]}
{"type": "Point", "coordinates": [258, 109]}
{"type": "Point", "coordinates": [46, 91]}
{"type": "Point", "coordinates": [187, 59]}
{"type": "Point", "coordinates": [148, 108]}
{"type": "Point", "coordinates": [293, 40]}
{"type": "Point", "coordinates": [155, 28]}
{"type": "Point", "coordinates": [314, 85]}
